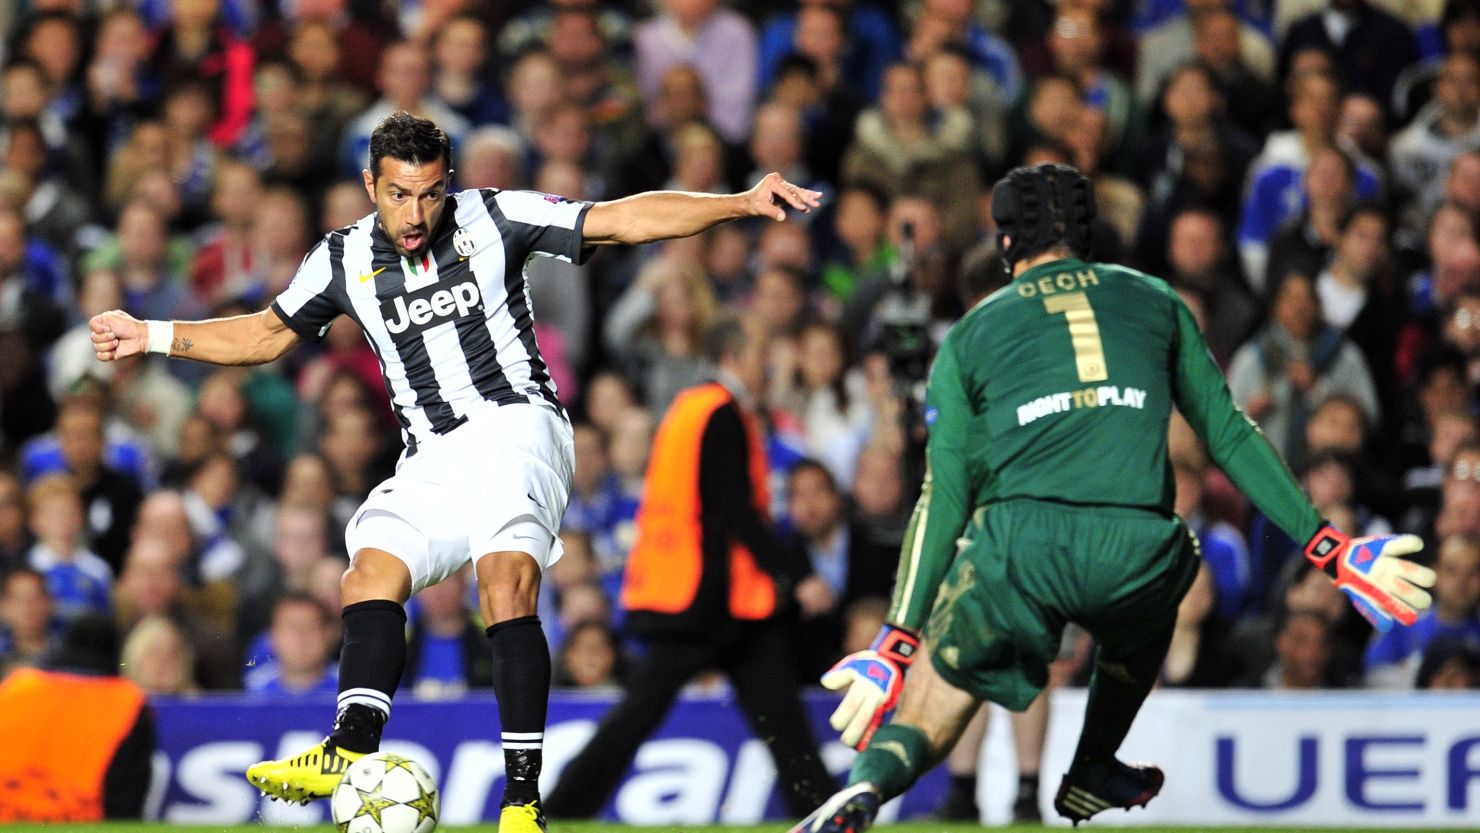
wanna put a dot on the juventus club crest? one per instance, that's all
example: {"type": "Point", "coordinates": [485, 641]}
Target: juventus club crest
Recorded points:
{"type": "Point", "coordinates": [462, 241]}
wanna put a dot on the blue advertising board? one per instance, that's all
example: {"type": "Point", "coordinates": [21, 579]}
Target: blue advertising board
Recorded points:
{"type": "Point", "coordinates": [702, 765]}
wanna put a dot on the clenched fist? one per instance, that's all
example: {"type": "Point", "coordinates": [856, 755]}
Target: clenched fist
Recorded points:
{"type": "Point", "coordinates": [118, 335]}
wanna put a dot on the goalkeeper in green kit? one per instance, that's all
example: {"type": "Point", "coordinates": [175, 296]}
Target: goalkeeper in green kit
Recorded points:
{"type": "Point", "coordinates": [1048, 499]}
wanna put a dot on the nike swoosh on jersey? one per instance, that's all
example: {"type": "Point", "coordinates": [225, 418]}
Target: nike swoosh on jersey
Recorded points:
{"type": "Point", "coordinates": [366, 277]}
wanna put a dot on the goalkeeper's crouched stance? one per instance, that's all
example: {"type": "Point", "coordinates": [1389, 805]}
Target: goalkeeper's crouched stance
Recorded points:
{"type": "Point", "coordinates": [1047, 499]}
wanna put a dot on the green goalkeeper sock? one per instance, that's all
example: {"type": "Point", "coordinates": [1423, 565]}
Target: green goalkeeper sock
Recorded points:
{"type": "Point", "coordinates": [895, 757]}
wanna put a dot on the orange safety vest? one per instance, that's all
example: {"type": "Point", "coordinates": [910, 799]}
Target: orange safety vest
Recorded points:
{"type": "Point", "coordinates": [61, 732]}
{"type": "Point", "coordinates": [667, 559]}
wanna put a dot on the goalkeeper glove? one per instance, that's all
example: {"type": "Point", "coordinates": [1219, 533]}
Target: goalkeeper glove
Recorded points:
{"type": "Point", "coordinates": [1382, 585]}
{"type": "Point", "coordinates": [874, 679]}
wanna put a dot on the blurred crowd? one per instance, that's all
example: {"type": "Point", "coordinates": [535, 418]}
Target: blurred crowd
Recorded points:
{"type": "Point", "coordinates": [1305, 172]}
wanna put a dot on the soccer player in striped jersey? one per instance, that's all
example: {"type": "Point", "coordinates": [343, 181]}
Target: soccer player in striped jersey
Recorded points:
{"type": "Point", "coordinates": [437, 281]}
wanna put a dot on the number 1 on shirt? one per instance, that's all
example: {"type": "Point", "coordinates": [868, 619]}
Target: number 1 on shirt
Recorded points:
{"type": "Point", "coordinates": [1084, 332]}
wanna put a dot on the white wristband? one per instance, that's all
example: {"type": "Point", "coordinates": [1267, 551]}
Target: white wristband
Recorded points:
{"type": "Point", "coordinates": [161, 336]}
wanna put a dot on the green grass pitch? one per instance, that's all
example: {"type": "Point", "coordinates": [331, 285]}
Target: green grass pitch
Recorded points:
{"type": "Point", "coordinates": [599, 827]}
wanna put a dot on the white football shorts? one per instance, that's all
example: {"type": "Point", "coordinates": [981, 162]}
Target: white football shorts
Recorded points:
{"type": "Point", "coordinates": [497, 483]}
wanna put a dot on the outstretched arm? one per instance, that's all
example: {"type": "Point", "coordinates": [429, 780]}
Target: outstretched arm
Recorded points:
{"type": "Point", "coordinates": [241, 340]}
{"type": "Point", "coordinates": [663, 215]}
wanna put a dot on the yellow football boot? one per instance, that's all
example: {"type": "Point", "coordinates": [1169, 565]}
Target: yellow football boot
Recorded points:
{"type": "Point", "coordinates": [522, 818]}
{"type": "Point", "coordinates": [306, 776]}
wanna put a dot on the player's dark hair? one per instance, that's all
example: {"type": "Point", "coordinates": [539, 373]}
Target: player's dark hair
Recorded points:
{"type": "Point", "coordinates": [406, 138]}
{"type": "Point", "coordinates": [1042, 208]}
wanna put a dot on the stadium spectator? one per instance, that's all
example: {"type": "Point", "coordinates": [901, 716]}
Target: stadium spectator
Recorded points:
{"type": "Point", "coordinates": [718, 42]}
{"type": "Point", "coordinates": [1171, 44]}
{"type": "Point", "coordinates": [446, 653]}
{"type": "Point", "coordinates": [15, 533]}
{"type": "Point", "coordinates": [152, 584]}
{"type": "Point", "coordinates": [110, 497]}
{"type": "Point", "coordinates": [878, 490]}
{"type": "Point", "coordinates": [299, 541]}
{"type": "Point", "coordinates": [590, 657]}
{"type": "Point", "coordinates": [1199, 256]}
{"type": "Point", "coordinates": [656, 328]}
{"type": "Point", "coordinates": [196, 46]}
{"type": "Point", "coordinates": [1195, 109]}
{"type": "Point", "coordinates": [902, 146]}
{"type": "Point", "coordinates": [223, 264]}
{"type": "Point", "coordinates": [31, 266]}
{"type": "Point", "coordinates": [1394, 658]}
{"type": "Point", "coordinates": [1305, 243]}
{"type": "Point", "coordinates": [28, 301]}
{"type": "Point", "coordinates": [28, 632]}
{"type": "Point", "coordinates": [460, 77]}
{"type": "Point", "coordinates": [829, 399]}
{"type": "Point", "coordinates": [1424, 151]}
{"type": "Point", "coordinates": [1302, 654]}
{"type": "Point", "coordinates": [1280, 376]}
{"type": "Point", "coordinates": [299, 639]}
{"type": "Point", "coordinates": [404, 80]}
{"type": "Point", "coordinates": [1373, 46]}
{"type": "Point", "coordinates": [321, 89]}
{"type": "Point", "coordinates": [76, 578]}
{"type": "Point", "coordinates": [870, 41]}
{"type": "Point", "coordinates": [1450, 664]}
{"type": "Point", "coordinates": [1277, 177]}
{"type": "Point", "coordinates": [852, 567]}
{"type": "Point", "coordinates": [158, 658]}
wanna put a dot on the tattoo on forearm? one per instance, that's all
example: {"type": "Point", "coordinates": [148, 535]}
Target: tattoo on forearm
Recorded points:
{"type": "Point", "coordinates": [181, 345]}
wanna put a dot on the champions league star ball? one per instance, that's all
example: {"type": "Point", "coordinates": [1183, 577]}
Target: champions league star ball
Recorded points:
{"type": "Point", "coordinates": [384, 793]}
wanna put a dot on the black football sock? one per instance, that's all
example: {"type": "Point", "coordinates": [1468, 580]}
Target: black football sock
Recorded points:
{"type": "Point", "coordinates": [370, 667]}
{"type": "Point", "coordinates": [1117, 689]}
{"type": "Point", "coordinates": [521, 682]}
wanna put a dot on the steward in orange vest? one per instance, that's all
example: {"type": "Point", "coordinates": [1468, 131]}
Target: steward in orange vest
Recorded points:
{"type": "Point", "coordinates": [704, 581]}
{"type": "Point", "coordinates": [78, 738]}
{"type": "Point", "coordinates": [705, 554]}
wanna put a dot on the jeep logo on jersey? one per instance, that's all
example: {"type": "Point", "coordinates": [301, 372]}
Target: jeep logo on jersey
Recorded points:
{"type": "Point", "coordinates": [462, 240]}
{"type": "Point", "coordinates": [430, 306]}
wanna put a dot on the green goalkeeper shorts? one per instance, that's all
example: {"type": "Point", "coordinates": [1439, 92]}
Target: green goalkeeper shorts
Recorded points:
{"type": "Point", "coordinates": [1028, 567]}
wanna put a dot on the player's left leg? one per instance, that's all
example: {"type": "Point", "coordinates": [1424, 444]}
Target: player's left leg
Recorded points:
{"type": "Point", "coordinates": [508, 592]}
{"type": "Point", "coordinates": [931, 716]}
{"type": "Point", "coordinates": [374, 590]}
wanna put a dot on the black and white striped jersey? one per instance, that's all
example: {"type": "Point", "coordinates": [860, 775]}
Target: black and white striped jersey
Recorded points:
{"type": "Point", "coordinates": [454, 326]}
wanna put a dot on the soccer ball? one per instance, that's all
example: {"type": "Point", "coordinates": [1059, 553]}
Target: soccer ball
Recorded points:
{"type": "Point", "coordinates": [385, 793]}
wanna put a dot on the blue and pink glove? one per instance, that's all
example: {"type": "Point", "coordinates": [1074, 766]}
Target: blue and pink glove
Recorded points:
{"type": "Point", "coordinates": [1371, 570]}
{"type": "Point", "coordinates": [874, 679]}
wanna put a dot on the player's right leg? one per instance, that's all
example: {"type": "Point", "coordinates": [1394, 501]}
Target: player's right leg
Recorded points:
{"type": "Point", "coordinates": [374, 590]}
{"type": "Point", "coordinates": [931, 716]}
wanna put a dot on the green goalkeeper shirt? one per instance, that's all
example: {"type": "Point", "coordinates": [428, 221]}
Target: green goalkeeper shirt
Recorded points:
{"type": "Point", "coordinates": [1059, 387]}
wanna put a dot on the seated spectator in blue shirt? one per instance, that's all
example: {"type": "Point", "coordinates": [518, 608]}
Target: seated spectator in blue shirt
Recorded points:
{"type": "Point", "coordinates": [27, 629]}
{"type": "Point", "coordinates": [1394, 657]}
{"type": "Point", "coordinates": [872, 44]}
{"type": "Point", "coordinates": [1276, 188]}
{"type": "Point", "coordinates": [446, 651]}
{"type": "Point", "coordinates": [299, 637]}
{"type": "Point", "coordinates": [79, 581]}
